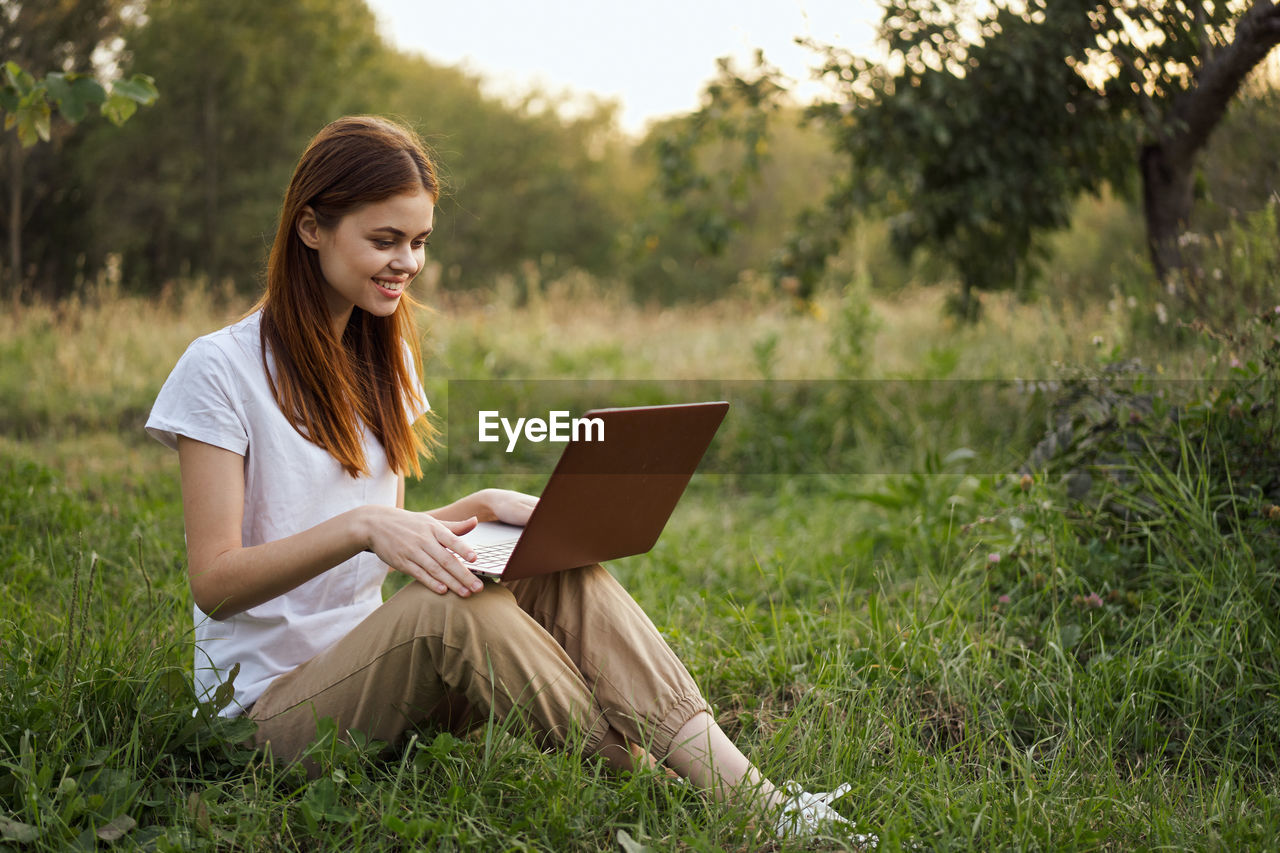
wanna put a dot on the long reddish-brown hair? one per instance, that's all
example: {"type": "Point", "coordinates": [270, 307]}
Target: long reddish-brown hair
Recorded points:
{"type": "Point", "coordinates": [327, 386]}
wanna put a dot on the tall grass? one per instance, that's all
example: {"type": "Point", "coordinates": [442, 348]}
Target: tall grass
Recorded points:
{"type": "Point", "coordinates": [990, 661]}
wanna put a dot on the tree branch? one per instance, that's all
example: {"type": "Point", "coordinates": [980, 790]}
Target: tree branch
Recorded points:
{"type": "Point", "coordinates": [1120, 51]}
{"type": "Point", "coordinates": [1197, 112]}
{"type": "Point", "coordinates": [1206, 39]}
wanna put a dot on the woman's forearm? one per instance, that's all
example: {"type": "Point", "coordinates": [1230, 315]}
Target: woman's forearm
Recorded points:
{"type": "Point", "coordinates": [228, 577]}
{"type": "Point", "coordinates": [239, 578]}
{"type": "Point", "coordinates": [475, 505]}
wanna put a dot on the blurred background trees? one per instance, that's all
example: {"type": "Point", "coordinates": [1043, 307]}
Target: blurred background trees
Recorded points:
{"type": "Point", "coordinates": [990, 124]}
{"type": "Point", "coordinates": [964, 156]}
{"type": "Point", "coordinates": [983, 124]}
{"type": "Point", "coordinates": [191, 189]}
{"type": "Point", "coordinates": [52, 54]}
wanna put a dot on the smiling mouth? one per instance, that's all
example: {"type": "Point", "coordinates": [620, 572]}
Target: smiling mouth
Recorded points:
{"type": "Point", "coordinates": [390, 288]}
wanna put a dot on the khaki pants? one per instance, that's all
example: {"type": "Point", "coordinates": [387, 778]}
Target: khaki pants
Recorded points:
{"type": "Point", "coordinates": [572, 651]}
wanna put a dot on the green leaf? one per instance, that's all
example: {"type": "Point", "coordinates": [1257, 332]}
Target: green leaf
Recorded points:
{"type": "Point", "coordinates": [58, 85]}
{"type": "Point", "coordinates": [21, 80]}
{"type": "Point", "coordinates": [21, 833]}
{"type": "Point", "coordinates": [118, 109]}
{"type": "Point", "coordinates": [174, 684]}
{"type": "Point", "coordinates": [321, 803]}
{"type": "Point", "coordinates": [71, 108]}
{"type": "Point", "coordinates": [226, 691]}
{"type": "Point", "coordinates": [443, 746]}
{"type": "Point", "coordinates": [87, 89]}
{"type": "Point", "coordinates": [139, 88]}
{"type": "Point", "coordinates": [234, 730]}
{"type": "Point", "coordinates": [411, 830]}
{"type": "Point", "coordinates": [73, 93]}
{"type": "Point", "coordinates": [118, 828]}
{"type": "Point", "coordinates": [32, 119]}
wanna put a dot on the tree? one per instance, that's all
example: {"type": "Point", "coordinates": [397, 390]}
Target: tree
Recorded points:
{"type": "Point", "coordinates": [524, 185]}
{"type": "Point", "coordinates": [193, 187]}
{"type": "Point", "coordinates": [986, 121]}
{"type": "Point", "coordinates": [1240, 171]}
{"type": "Point", "coordinates": [63, 36]}
{"type": "Point", "coordinates": [727, 180]}
{"type": "Point", "coordinates": [989, 137]}
{"type": "Point", "coordinates": [191, 190]}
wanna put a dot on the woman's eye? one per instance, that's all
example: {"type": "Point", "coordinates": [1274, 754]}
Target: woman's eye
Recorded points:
{"type": "Point", "coordinates": [420, 244]}
{"type": "Point", "coordinates": [383, 244]}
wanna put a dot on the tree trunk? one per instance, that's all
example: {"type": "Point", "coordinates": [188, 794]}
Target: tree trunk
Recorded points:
{"type": "Point", "coordinates": [15, 216]}
{"type": "Point", "coordinates": [1167, 194]}
{"type": "Point", "coordinates": [212, 134]}
{"type": "Point", "coordinates": [1168, 163]}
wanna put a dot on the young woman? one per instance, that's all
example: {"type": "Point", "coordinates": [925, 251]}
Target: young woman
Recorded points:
{"type": "Point", "coordinates": [295, 428]}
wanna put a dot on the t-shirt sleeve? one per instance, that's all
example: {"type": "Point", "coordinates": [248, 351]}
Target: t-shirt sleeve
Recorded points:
{"type": "Point", "coordinates": [198, 401]}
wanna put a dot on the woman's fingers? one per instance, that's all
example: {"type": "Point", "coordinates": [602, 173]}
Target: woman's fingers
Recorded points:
{"type": "Point", "coordinates": [448, 551]}
{"type": "Point", "coordinates": [419, 573]}
{"type": "Point", "coordinates": [441, 571]}
{"type": "Point", "coordinates": [432, 552]}
{"type": "Point", "coordinates": [451, 537]}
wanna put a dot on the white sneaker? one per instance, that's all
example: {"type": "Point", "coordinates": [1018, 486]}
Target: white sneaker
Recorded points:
{"type": "Point", "coordinates": [803, 813]}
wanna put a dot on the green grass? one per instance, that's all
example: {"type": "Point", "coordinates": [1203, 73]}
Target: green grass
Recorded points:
{"type": "Point", "coordinates": [1109, 682]}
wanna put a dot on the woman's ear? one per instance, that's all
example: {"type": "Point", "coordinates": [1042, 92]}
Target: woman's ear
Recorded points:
{"type": "Point", "coordinates": [308, 227]}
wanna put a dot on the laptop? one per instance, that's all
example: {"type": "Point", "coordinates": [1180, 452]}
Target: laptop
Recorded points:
{"type": "Point", "coordinates": [606, 499]}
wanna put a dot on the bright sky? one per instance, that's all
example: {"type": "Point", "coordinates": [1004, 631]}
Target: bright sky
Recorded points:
{"type": "Point", "coordinates": [652, 56]}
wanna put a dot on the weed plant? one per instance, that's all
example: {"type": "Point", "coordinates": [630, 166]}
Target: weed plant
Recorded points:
{"type": "Point", "coordinates": [995, 658]}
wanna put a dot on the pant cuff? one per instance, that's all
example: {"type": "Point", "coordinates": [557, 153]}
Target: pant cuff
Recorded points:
{"type": "Point", "coordinates": [684, 711]}
{"type": "Point", "coordinates": [598, 731]}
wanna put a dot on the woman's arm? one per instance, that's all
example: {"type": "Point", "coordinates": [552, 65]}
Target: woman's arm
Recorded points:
{"type": "Point", "coordinates": [489, 505]}
{"type": "Point", "coordinates": [227, 578]}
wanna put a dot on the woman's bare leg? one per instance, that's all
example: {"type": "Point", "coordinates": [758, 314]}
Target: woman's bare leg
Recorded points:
{"type": "Point", "coordinates": [703, 754]}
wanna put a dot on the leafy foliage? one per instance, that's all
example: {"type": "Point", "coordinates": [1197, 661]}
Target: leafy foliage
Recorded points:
{"type": "Point", "coordinates": [28, 102]}
{"type": "Point", "coordinates": [986, 122]}
{"type": "Point", "coordinates": [727, 179]}
{"type": "Point", "coordinates": [984, 128]}
{"type": "Point", "coordinates": [194, 185]}
{"type": "Point", "coordinates": [1149, 507]}
{"type": "Point", "coordinates": [530, 193]}
{"type": "Point", "coordinates": [67, 38]}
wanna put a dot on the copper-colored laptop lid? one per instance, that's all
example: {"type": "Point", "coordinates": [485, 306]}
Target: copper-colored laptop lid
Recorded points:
{"type": "Point", "coordinates": [611, 498]}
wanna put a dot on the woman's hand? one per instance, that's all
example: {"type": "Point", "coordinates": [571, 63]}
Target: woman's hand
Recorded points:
{"type": "Point", "coordinates": [423, 547]}
{"type": "Point", "coordinates": [509, 507]}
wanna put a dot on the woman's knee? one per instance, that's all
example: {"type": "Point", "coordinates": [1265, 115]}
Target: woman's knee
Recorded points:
{"type": "Point", "coordinates": [423, 612]}
{"type": "Point", "coordinates": [594, 588]}
{"type": "Point", "coordinates": [597, 576]}
{"type": "Point", "coordinates": [584, 582]}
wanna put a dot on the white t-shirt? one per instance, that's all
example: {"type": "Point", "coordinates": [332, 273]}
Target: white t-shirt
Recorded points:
{"type": "Point", "coordinates": [218, 393]}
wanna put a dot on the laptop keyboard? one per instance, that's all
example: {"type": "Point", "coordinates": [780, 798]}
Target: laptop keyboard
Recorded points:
{"type": "Point", "coordinates": [492, 557]}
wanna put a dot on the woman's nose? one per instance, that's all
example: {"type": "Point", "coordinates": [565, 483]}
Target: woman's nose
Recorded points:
{"type": "Point", "coordinates": [405, 260]}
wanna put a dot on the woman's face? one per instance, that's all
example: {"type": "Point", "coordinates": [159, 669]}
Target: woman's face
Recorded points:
{"type": "Point", "coordinates": [369, 257]}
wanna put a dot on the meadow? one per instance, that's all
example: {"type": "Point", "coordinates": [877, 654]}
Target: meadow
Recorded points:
{"type": "Point", "coordinates": [1078, 655]}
